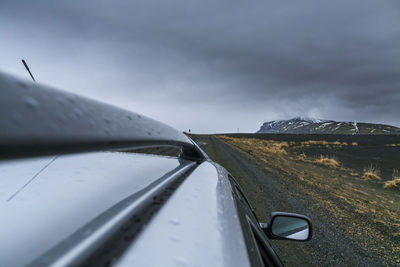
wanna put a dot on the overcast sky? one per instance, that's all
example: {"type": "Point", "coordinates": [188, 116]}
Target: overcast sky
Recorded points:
{"type": "Point", "coordinates": [214, 66]}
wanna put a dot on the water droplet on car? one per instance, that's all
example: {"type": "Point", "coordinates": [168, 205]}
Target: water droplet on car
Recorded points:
{"type": "Point", "coordinates": [174, 221]}
{"type": "Point", "coordinates": [175, 238]}
{"type": "Point", "coordinates": [23, 85]}
{"type": "Point", "coordinates": [71, 98]}
{"type": "Point", "coordinates": [77, 112]}
{"type": "Point", "coordinates": [180, 261]}
{"type": "Point", "coordinates": [60, 116]}
{"type": "Point", "coordinates": [31, 102]}
{"type": "Point", "coordinates": [87, 232]}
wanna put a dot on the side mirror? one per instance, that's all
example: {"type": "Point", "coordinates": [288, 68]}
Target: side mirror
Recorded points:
{"type": "Point", "coordinates": [289, 226]}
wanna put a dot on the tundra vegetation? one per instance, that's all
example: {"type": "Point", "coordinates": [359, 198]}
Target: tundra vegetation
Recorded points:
{"type": "Point", "coordinates": [328, 161]}
{"type": "Point", "coordinates": [372, 173]}
{"type": "Point", "coordinates": [395, 182]}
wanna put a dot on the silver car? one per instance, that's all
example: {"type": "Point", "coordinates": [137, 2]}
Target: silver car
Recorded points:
{"type": "Point", "coordinates": [75, 193]}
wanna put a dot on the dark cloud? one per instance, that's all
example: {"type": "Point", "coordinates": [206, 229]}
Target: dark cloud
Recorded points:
{"type": "Point", "coordinates": [216, 65]}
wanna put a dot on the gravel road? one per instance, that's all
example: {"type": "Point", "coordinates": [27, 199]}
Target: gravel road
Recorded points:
{"type": "Point", "coordinates": [267, 192]}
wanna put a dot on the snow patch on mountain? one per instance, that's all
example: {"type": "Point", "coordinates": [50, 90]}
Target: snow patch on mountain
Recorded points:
{"type": "Point", "coordinates": [306, 125]}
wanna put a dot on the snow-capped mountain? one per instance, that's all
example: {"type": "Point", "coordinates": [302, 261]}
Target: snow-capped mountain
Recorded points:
{"type": "Point", "coordinates": [301, 125]}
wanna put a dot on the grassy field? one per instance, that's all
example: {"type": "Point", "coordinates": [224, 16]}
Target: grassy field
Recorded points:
{"type": "Point", "coordinates": [353, 180]}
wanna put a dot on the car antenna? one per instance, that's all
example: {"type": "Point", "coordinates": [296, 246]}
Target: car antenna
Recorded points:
{"type": "Point", "coordinates": [27, 68]}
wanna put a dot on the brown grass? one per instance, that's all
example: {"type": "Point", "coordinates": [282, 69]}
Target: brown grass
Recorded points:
{"type": "Point", "coordinates": [392, 145]}
{"type": "Point", "coordinates": [328, 161]}
{"type": "Point", "coordinates": [395, 182]}
{"type": "Point", "coordinates": [266, 146]}
{"type": "Point", "coordinates": [322, 143]}
{"type": "Point", "coordinates": [312, 142]}
{"type": "Point", "coordinates": [302, 156]}
{"type": "Point", "coordinates": [371, 173]}
{"type": "Point", "coordinates": [275, 147]}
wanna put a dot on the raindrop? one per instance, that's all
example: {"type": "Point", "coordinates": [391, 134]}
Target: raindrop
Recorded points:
{"type": "Point", "coordinates": [174, 221]}
{"type": "Point", "coordinates": [23, 85]}
{"type": "Point", "coordinates": [139, 116]}
{"type": "Point", "coordinates": [60, 100]}
{"type": "Point", "coordinates": [129, 118]}
{"type": "Point", "coordinates": [87, 232]}
{"type": "Point", "coordinates": [31, 102]}
{"type": "Point", "coordinates": [180, 261]}
{"type": "Point", "coordinates": [60, 116]}
{"type": "Point", "coordinates": [175, 239]}
{"type": "Point", "coordinates": [71, 98]}
{"type": "Point", "coordinates": [77, 112]}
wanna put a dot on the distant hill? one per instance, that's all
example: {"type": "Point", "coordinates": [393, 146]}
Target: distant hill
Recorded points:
{"type": "Point", "coordinates": [300, 125]}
